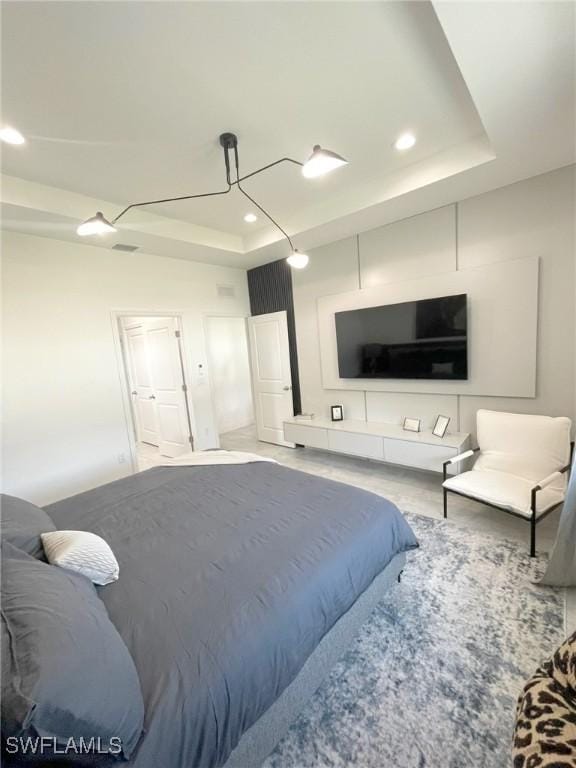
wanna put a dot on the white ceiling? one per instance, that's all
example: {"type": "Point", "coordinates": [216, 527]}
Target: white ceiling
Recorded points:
{"type": "Point", "coordinates": [124, 101]}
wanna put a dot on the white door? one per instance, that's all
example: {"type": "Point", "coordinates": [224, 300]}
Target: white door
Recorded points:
{"type": "Point", "coordinates": [142, 392]}
{"type": "Point", "coordinates": [168, 386]}
{"type": "Point", "coordinates": [157, 385]}
{"type": "Point", "coordinates": [271, 376]}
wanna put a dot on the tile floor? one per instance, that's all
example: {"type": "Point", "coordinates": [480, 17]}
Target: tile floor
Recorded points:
{"type": "Point", "coordinates": [412, 490]}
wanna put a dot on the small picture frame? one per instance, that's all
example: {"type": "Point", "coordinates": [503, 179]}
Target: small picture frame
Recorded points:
{"type": "Point", "coordinates": [411, 425]}
{"type": "Point", "coordinates": [336, 413]}
{"type": "Point", "coordinates": [441, 426]}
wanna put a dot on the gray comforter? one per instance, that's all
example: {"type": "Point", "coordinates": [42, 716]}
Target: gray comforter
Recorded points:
{"type": "Point", "coordinates": [229, 578]}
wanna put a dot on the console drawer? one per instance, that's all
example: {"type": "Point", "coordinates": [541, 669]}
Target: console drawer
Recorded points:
{"type": "Point", "coordinates": [370, 446]}
{"type": "Point", "coordinates": [313, 437]}
{"type": "Point", "coordinates": [421, 455]}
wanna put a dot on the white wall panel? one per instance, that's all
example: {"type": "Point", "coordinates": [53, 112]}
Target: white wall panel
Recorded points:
{"type": "Point", "coordinates": [502, 320]}
{"type": "Point", "coordinates": [393, 407]}
{"type": "Point", "coordinates": [420, 245]}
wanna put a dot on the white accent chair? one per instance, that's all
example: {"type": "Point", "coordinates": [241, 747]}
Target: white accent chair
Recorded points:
{"type": "Point", "coordinates": [521, 467]}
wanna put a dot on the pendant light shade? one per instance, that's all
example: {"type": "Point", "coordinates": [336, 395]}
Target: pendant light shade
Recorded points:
{"type": "Point", "coordinates": [11, 136]}
{"type": "Point", "coordinates": [322, 161]}
{"type": "Point", "coordinates": [298, 260]}
{"type": "Point", "coordinates": [97, 225]}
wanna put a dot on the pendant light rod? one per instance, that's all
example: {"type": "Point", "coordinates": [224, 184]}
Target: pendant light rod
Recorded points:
{"type": "Point", "coordinates": [270, 165]}
{"type": "Point", "coordinates": [169, 200]}
{"type": "Point", "coordinates": [260, 208]}
{"type": "Point", "coordinates": [265, 212]}
{"type": "Point", "coordinates": [228, 141]}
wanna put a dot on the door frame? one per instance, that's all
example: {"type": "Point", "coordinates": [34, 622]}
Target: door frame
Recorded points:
{"type": "Point", "coordinates": [205, 318]}
{"type": "Point", "coordinates": [116, 315]}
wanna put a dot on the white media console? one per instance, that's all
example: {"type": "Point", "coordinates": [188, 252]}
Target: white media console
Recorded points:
{"type": "Point", "coordinates": [383, 442]}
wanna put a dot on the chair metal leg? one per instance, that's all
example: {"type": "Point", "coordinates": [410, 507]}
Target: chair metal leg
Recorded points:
{"type": "Point", "coordinates": [533, 525]}
{"type": "Point", "coordinates": [445, 502]}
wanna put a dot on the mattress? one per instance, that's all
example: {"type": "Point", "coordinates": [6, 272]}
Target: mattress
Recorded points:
{"type": "Point", "coordinates": [230, 576]}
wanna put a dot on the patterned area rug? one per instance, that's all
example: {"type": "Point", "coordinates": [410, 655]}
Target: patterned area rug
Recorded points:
{"type": "Point", "coordinates": [432, 680]}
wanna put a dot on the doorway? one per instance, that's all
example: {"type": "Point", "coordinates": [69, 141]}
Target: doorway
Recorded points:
{"type": "Point", "coordinates": [155, 373]}
{"type": "Point", "coordinates": [229, 367]}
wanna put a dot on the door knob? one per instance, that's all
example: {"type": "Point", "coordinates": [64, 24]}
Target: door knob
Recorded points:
{"type": "Point", "coordinates": [133, 392]}
{"type": "Point", "coordinates": [286, 389]}
{"type": "Point", "coordinates": [152, 397]}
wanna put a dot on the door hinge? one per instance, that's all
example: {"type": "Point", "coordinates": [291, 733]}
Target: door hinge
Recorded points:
{"type": "Point", "coordinates": [184, 388]}
{"type": "Point", "coordinates": [177, 334]}
{"type": "Point", "coordinates": [191, 440]}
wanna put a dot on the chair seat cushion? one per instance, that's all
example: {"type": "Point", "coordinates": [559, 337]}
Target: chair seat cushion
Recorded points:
{"type": "Point", "coordinates": [503, 490]}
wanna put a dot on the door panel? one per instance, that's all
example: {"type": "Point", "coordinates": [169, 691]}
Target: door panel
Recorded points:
{"type": "Point", "coordinates": [147, 410]}
{"type": "Point", "coordinates": [271, 375]}
{"type": "Point", "coordinates": [272, 405]}
{"type": "Point", "coordinates": [164, 361]}
{"type": "Point", "coordinates": [169, 417]}
{"type": "Point", "coordinates": [268, 351]}
{"type": "Point", "coordinates": [140, 357]}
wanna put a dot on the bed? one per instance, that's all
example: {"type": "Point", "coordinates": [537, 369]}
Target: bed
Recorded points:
{"type": "Point", "coordinates": [239, 588]}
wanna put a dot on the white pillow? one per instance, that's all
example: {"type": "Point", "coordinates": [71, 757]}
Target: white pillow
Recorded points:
{"type": "Point", "coordinates": [83, 552]}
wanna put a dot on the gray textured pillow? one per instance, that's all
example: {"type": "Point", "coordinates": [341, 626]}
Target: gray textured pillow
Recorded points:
{"type": "Point", "coordinates": [22, 523]}
{"type": "Point", "coordinates": [67, 673]}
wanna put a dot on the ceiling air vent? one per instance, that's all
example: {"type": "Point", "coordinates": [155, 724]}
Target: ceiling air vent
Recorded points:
{"type": "Point", "coordinates": [124, 247]}
{"type": "Point", "coordinates": [226, 290]}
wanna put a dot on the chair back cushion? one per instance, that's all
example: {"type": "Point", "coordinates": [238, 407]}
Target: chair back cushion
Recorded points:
{"type": "Point", "coordinates": [527, 446]}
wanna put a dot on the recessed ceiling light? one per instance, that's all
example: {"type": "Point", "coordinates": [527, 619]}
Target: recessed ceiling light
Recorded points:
{"type": "Point", "coordinates": [11, 136]}
{"type": "Point", "coordinates": [405, 141]}
{"type": "Point", "coordinates": [250, 218]}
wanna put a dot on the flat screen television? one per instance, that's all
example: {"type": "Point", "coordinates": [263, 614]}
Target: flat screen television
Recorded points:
{"type": "Point", "coordinates": [424, 339]}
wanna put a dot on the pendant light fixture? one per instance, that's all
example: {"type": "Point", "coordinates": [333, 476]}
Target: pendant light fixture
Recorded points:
{"type": "Point", "coordinates": [320, 162]}
{"type": "Point", "coordinates": [11, 136]}
{"type": "Point", "coordinates": [298, 260]}
{"type": "Point", "coordinates": [97, 225]}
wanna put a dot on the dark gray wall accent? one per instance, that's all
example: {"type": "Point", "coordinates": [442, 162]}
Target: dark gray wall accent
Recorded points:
{"type": "Point", "coordinates": [270, 290]}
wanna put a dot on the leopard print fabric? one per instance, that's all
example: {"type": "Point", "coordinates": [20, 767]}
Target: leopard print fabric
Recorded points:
{"type": "Point", "coordinates": [545, 733]}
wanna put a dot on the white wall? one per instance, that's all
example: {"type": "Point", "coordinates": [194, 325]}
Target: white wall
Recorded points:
{"type": "Point", "coordinates": [227, 347]}
{"type": "Point", "coordinates": [532, 218]}
{"type": "Point", "coordinates": [64, 420]}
